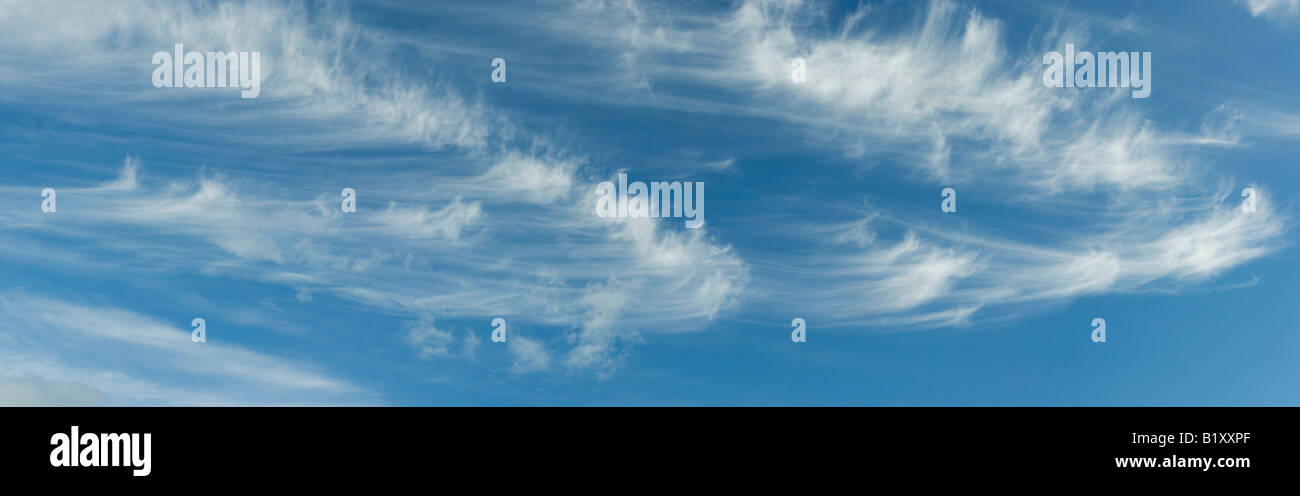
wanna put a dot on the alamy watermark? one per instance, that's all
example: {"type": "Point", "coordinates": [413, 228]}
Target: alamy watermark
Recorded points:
{"type": "Point", "coordinates": [659, 199]}
{"type": "Point", "coordinates": [799, 70]}
{"type": "Point", "coordinates": [498, 330]}
{"type": "Point", "coordinates": [1098, 70]}
{"type": "Point", "coordinates": [49, 201]}
{"type": "Point", "coordinates": [349, 204]}
{"type": "Point", "coordinates": [498, 70]}
{"type": "Point", "coordinates": [200, 334]}
{"type": "Point", "coordinates": [102, 450]}
{"type": "Point", "coordinates": [213, 70]}
{"type": "Point", "coordinates": [1099, 330]}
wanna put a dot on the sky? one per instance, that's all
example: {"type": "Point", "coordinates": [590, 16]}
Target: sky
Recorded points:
{"type": "Point", "coordinates": [476, 199]}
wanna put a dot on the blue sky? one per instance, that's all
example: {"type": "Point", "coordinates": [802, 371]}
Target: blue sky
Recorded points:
{"type": "Point", "coordinates": [475, 200]}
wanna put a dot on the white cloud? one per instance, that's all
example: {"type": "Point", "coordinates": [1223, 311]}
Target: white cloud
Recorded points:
{"type": "Point", "coordinates": [938, 276]}
{"type": "Point", "coordinates": [126, 180]}
{"type": "Point", "coordinates": [720, 165]}
{"type": "Point", "coordinates": [934, 95]}
{"type": "Point", "coordinates": [529, 355]}
{"type": "Point", "coordinates": [1272, 8]}
{"type": "Point", "coordinates": [908, 275]}
{"type": "Point", "coordinates": [950, 77]}
{"type": "Point", "coordinates": [946, 90]}
{"type": "Point", "coordinates": [394, 260]}
{"type": "Point", "coordinates": [429, 341]}
{"type": "Point", "coordinates": [421, 222]}
{"type": "Point", "coordinates": [469, 345]}
{"type": "Point", "coordinates": [318, 67]}
{"type": "Point", "coordinates": [1223, 238]}
{"type": "Point", "coordinates": [538, 181]}
{"type": "Point", "coordinates": [137, 359]}
{"type": "Point", "coordinates": [310, 64]}
{"type": "Point", "coordinates": [35, 391]}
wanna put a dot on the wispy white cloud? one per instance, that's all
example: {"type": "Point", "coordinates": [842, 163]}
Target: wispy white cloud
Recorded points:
{"type": "Point", "coordinates": [429, 341]}
{"type": "Point", "coordinates": [421, 222]}
{"type": "Point", "coordinates": [950, 79]}
{"type": "Point", "coordinates": [529, 355]}
{"type": "Point", "coordinates": [388, 259]}
{"type": "Point", "coordinates": [1272, 8]}
{"type": "Point", "coordinates": [134, 358]}
{"type": "Point", "coordinates": [947, 89]}
{"type": "Point", "coordinates": [499, 221]}
{"type": "Point", "coordinates": [35, 391]}
{"type": "Point", "coordinates": [317, 67]}
{"type": "Point", "coordinates": [313, 69]}
{"type": "Point", "coordinates": [940, 276]}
